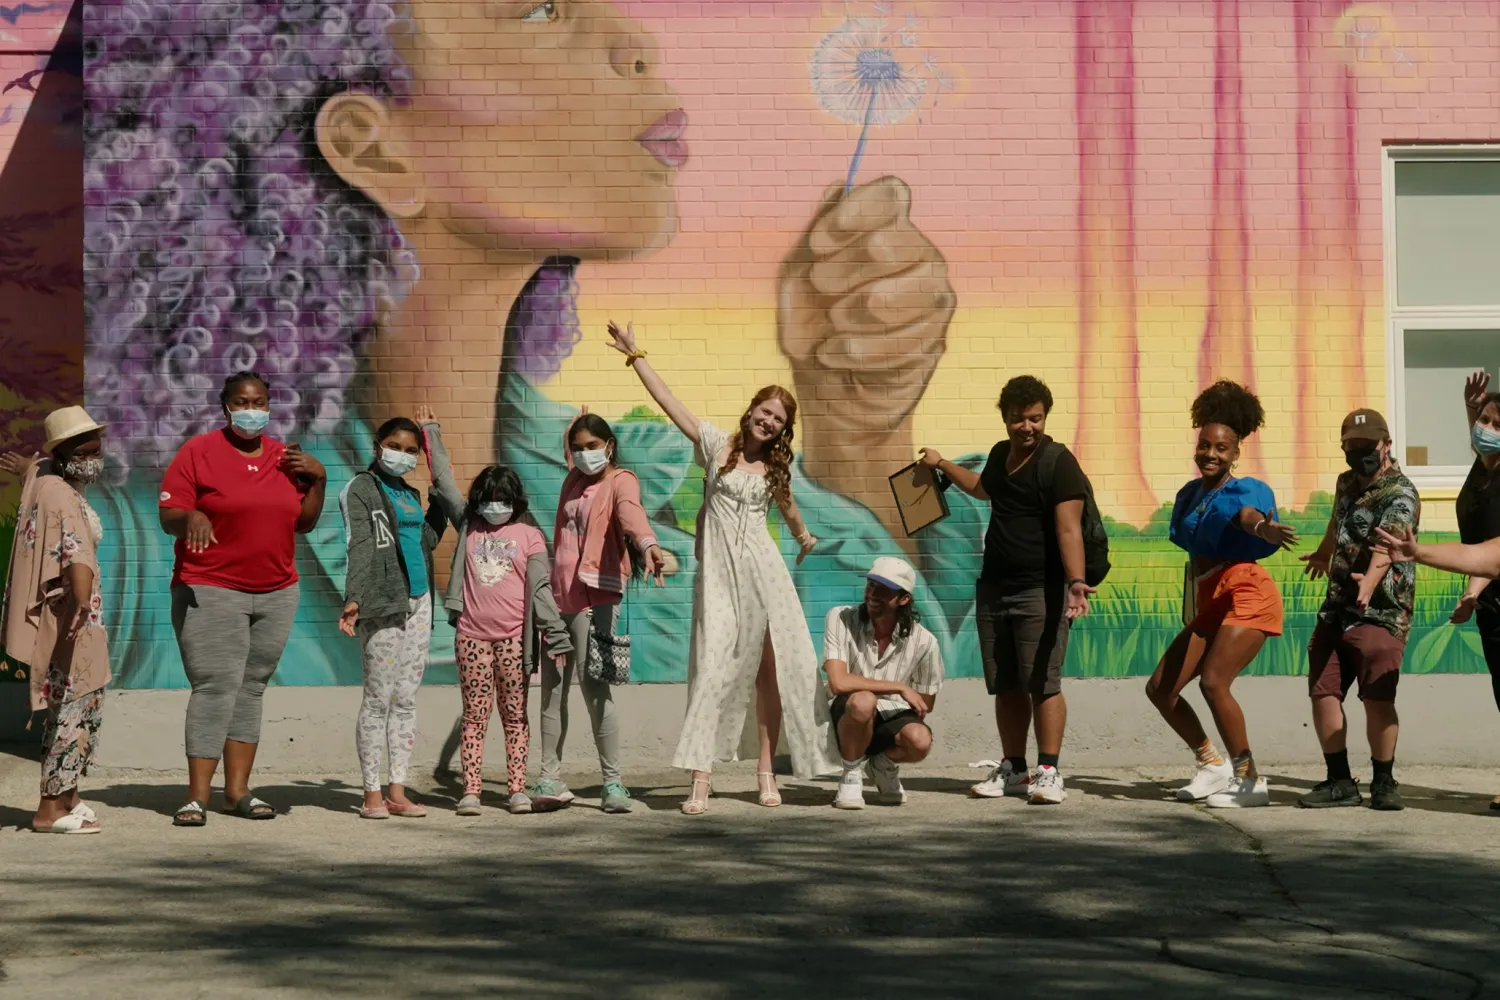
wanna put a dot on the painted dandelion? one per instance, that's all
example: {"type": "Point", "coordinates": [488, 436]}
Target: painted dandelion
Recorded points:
{"type": "Point", "coordinates": [869, 74]}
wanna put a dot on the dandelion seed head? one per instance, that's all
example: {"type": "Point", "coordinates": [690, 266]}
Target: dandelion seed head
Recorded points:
{"type": "Point", "coordinates": [859, 78]}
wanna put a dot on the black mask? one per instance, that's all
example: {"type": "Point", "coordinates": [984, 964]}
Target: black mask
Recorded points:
{"type": "Point", "coordinates": [1364, 461]}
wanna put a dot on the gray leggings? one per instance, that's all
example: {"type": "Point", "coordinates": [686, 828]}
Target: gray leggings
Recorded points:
{"type": "Point", "coordinates": [596, 697]}
{"type": "Point", "coordinates": [230, 643]}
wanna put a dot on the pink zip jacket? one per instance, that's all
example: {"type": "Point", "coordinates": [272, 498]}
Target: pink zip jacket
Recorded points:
{"type": "Point", "coordinates": [616, 518]}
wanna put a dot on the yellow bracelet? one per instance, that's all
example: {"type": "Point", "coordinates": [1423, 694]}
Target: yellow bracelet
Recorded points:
{"type": "Point", "coordinates": [633, 357]}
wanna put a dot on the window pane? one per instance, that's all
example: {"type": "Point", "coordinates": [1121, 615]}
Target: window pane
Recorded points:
{"type": "Point", "coordinates": [1447, 218]}
{"type": "Point", "coordinates": [1437, 362]}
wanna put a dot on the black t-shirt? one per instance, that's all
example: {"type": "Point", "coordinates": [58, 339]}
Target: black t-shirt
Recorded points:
{"type": "Point", "coordinates": [1020, 546]}
{"type": "Point", "coordinates": [1478, 510]}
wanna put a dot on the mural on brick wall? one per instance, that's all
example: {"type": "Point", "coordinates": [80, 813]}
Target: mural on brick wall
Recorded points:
{"type": "Point", "coordinates": [890, 207]}
{"type": "Point", "coordinates": [41, 228]}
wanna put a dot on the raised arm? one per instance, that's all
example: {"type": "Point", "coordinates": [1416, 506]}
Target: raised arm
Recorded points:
{"type": "Point", "coordinates": [965, 479]}
{"type": "Point", "coordinates": [1481, 560]}
{"type": "Point", "coordinates": [1476, 387]}
{"type": "Point", "coordinates": [624, 342]}
{"type": "Point", "coordinates": [445, 492]}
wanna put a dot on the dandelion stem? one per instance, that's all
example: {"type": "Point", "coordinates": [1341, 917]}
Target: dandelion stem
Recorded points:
{"type": "Point", "coordinates": [859, 150]}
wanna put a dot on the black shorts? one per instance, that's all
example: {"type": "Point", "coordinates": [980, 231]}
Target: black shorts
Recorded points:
{"type": "Point", "coordinates": [1023, 640]}
{"type": "Point", "coordinates": [887, 724]}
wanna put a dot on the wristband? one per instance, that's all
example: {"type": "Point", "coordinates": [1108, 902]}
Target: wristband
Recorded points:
{"type": "Point", "coordinates": [1071, 582]}
{"type": "Point", "coordinates": [633, 357]}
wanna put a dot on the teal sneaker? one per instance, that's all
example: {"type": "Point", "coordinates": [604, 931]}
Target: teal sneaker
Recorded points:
{"type": "Point", "coordinates": [616, 798]}
{"type": "Point", "coordinates": [549, 794]}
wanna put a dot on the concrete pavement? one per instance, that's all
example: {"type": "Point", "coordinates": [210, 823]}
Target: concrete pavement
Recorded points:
{"type": "Point", "coordinates": [1120, 892]}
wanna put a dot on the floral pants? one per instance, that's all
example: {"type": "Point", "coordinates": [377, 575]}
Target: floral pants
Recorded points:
{"type": "Point", "coordinates": [395, 656]}
{"type": "Point", "coordinates": [70, 736]}
{"type": "Point", "coordinates": [485, 668]}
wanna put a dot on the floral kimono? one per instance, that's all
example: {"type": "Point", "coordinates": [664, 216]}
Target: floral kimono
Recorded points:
{"type": "Point", "coordinates": [55, 529]}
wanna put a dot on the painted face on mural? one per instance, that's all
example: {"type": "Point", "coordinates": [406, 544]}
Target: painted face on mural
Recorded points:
{"type": "Point", "coordinates": [592, 139]}
{"type": "Point", "coordinates": [1218, 449]}
{"type": "Point", "coordinates": [1026, 425]}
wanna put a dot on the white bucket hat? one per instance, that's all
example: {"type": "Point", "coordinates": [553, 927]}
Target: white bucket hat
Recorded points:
{"type": "Point", "coordinates": [68, 422]}
{"type": "Point", "coordinates": [897, 574]}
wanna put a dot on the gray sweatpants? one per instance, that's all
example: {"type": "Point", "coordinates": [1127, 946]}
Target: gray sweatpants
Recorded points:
{"type": "Point", "coordinates": [596, 697]}
{"type": "Point", "coordinates": [230, 643]}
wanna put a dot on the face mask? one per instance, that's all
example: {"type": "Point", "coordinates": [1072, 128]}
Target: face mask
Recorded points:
{"type": "Point", "coordinates": [496, 513]}
{"type": "Point", "coordinates": [1486, 441]}
{"type": "Point", "coordinates": [591, 463]}
{"type": "Point", "coordinates": [249, 423]}
{"type": "Point", "coordinates": [1364, 461]}
{"type": "Point", "coordinates": [396, 463]}
{"type": "Point", "coordinates": [84, 470]}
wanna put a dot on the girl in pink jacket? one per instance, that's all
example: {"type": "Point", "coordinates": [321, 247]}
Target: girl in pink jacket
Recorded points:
{"type": "Point", "coordinates": [602, 538]}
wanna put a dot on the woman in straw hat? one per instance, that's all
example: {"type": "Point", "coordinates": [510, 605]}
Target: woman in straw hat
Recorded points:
{"type": "Point", "coordinates": [51, 625]}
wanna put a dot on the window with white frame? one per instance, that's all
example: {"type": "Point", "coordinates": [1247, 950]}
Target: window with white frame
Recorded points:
{"type": "Point", "coordinates": [1442, 252]}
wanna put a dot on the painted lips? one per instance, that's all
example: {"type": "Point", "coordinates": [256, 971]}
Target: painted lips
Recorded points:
{"type": "Point", "coordinates": [663, 139]}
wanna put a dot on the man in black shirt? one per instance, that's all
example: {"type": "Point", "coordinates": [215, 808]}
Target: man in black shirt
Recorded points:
{"type": "Point", "coordinates": [1031, 586]}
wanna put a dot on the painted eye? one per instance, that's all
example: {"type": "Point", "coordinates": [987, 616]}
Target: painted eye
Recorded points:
{"type": "Point", "coordinates": [541, 13]}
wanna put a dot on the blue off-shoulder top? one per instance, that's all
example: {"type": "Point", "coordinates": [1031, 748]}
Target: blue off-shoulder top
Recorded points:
{"type": "Point", "coordinates": [1204, 525]}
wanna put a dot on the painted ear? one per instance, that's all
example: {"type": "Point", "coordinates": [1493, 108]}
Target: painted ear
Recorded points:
{"type": "Point", "coordinates": [355, 135]}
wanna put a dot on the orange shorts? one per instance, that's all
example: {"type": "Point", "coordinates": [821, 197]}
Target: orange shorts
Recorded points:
{"type": "Point", "coordinates": [1241, 594]}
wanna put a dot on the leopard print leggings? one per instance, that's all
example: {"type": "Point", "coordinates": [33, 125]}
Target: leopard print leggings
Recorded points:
{"type": "Point", "coordinates": [484, 667]}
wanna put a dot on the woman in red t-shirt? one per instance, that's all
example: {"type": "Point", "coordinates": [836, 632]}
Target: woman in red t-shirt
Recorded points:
{"type": "Point", "coordinates": [235, 500]}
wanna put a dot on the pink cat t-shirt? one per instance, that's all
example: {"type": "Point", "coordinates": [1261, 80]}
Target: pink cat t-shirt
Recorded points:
{"type": "Point", "coordinates": [495, 579]}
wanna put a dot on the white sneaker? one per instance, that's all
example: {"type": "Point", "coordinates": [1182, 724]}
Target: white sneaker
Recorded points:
{"type": "Point", "coordinates": [1047, 787]}
{"type": "Point", "coordinates": [1003, 780]}
{"type": "Point", "coordinates": [1208, 779]}
{"type": "Point", "coordinates": [886, 774]}
{"type": "Point", "coordinates": [1242, 793]}
{"type": "Point", "coordinates": [851, 794]}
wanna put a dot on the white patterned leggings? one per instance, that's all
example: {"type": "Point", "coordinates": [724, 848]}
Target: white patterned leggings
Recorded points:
{"type": "Point", "coordinates": [395, 655]}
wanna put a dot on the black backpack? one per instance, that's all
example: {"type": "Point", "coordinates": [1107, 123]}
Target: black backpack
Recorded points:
{"type": "Point", "coordinates": [1095, 541]}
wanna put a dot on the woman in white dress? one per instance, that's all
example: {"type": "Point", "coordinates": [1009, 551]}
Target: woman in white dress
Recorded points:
{"type": "Point", "coordinates": [749, 630]}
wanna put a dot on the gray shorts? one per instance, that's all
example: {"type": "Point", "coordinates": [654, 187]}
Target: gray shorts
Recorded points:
{"type": "Point", "coordinates": [1023, 639]}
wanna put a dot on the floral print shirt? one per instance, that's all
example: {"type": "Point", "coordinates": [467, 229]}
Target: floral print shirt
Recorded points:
{"type": "Point", "coordinates": [56, 529]}
{"type": "Point", "coordinates": [1389, 502]}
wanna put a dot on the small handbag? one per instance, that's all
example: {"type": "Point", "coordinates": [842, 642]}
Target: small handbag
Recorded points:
{"type": "Point", "coordinates": [1189, 593]}
{"type": "Point", "coordinates": [609, 651]}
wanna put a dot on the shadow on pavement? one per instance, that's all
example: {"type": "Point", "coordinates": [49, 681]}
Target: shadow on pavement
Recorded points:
{"type": "Point", "coordinates": [879, 904]}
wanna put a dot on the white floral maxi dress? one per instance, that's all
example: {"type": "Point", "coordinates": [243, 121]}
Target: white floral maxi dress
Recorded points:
{"type": "Point", "coordinates": [743, 590]}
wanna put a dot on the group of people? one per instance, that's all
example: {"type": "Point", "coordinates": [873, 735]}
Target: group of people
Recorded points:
{"type": "Point", "coordinates": [235, 500]}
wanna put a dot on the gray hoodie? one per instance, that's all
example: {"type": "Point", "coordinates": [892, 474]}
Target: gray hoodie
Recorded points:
{"type": "Point", "coordinates": [376, 577]}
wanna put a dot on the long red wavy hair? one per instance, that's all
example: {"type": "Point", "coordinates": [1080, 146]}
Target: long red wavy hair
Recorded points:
{"type": "Point", "coordinates": [779, 454]}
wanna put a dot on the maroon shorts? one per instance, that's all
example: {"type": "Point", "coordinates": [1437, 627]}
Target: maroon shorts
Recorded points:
{"type": "Point", "coordinates": [1368, 653]}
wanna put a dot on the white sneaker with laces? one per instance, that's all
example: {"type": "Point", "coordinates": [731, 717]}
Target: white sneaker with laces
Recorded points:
{"type": "Point", "coordinates": [1208, 779]}
{"type": "Point", "coordinates": [1047, 787]}
{"type": "Point", "coordinates": [1002, 780]}
{"type": "Point", "coordinates": [886, 774]}
{"type": "Point", "coordinates": [851, 793]}
{"type": "Point", "coordinates": [1242, 793]}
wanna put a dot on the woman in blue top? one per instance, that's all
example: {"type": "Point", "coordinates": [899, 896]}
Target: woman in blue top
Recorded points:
{"type": "Point", "coordinates": [1231, 604]}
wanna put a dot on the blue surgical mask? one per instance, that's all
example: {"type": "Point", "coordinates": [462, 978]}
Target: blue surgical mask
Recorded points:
{"type": "Point", "coordinates": [496, 513]}
{"type": "Point", "coordinates": [592, 462]}
{"type": "Point", "coordinates": [397, 463]}
{"type": "Point", "coordinates": [250, 422]}
{"type": "Point", "coordinates": [1486, 441]}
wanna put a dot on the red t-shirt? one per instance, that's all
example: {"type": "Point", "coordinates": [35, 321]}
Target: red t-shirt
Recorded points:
{"type": "Point", "coordinates": [252, 505]}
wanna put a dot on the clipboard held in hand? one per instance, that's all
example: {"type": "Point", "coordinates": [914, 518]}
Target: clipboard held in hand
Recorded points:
{"type": "Point", "coordinates": [918, 497]}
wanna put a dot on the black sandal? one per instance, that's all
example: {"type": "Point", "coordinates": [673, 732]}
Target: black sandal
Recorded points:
{"type": "Point", "coordinates": [191, 814]}
{"type": "Point", "coordinates": [249, 807]}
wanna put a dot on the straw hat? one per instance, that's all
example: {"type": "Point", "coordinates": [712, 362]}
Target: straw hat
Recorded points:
{"type": "Point", "coordinates": [68, 422]}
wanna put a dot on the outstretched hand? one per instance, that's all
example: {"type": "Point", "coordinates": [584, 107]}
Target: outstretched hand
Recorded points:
{"type": "Point", "coordinates": [656, 565]}
{"type": "Point", "coordinates": [622, 340]}
{"type": "Point", "coordinates": [1315, 564]}
{"type": "Point", "coordinates": [1401, 547]}
{"type": "Point", "coordinates": [1476, 386]}
{"type": "Point", "coordinates": [16, 464]}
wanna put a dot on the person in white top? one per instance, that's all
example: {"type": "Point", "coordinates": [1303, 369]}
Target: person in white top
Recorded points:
{"type": "Point", "coordinates": [884, 671]}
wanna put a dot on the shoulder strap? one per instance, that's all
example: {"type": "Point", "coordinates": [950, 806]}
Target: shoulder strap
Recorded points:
{"type": "Point", "coordinates": [1046, 468]}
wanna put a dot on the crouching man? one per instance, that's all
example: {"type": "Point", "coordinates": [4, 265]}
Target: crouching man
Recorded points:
{"type": "Point", "coordinates": [884, 671]}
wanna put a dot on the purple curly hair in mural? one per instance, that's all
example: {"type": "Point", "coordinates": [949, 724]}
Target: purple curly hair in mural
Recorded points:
{"type": "Point", "coordinates": [216, 237]}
